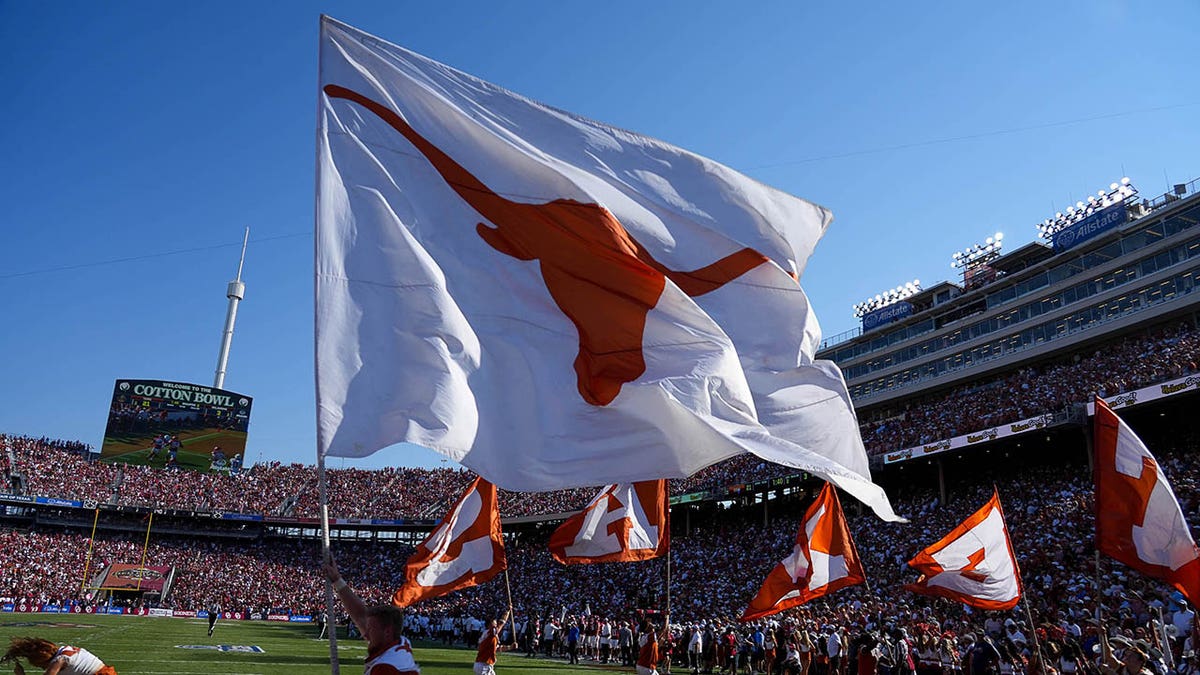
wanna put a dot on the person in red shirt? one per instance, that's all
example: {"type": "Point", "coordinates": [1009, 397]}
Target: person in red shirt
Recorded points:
{"type": "Point", "coordinates": [489, 644]}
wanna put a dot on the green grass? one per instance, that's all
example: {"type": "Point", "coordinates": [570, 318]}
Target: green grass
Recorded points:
{"type": "Point", "coordinates": [146, 645]}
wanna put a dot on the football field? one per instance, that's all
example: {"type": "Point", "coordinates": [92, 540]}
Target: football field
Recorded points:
{"type": "Point", "coordinates": [144, 646]}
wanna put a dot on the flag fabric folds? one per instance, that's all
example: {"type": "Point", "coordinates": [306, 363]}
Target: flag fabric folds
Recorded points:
{"type": "Point", "coordinates": [1138, 519]}
{"type": "Point", "coordinates": [823, 560]}
{"type": "Point", "coordinates": [551, 301]}
{"type": "Point", "coordinates": [465, 549]}
{"type": "Point", "coordinates": [624, 523]}
{"type": "Point", "coordinates": [974, 564]}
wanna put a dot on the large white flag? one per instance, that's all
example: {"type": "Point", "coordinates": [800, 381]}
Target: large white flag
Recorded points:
{"type": "Point", "coordinates": [551, 301]}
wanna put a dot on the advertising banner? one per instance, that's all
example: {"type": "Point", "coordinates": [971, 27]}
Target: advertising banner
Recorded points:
{"type": "Point", "coordinates": [1095, 224]}
{"type": "Point", "coordinates": [252, 517]}
{"type": "Point", "coordinates": [974, 438]}
{"type": "Point", "coordinates": [1154, 392]}
{"type": "Point", "coordinates": [126, 577]}
{"type": "Point", "coordinates": [886, 315]}
{"type": "Point", "coordinates": [183, 614]}
{"type": "Point", "coordinates": [116, 610]}
{"type": "Point", "coordinates": [158, 611]}
{"type": "Point", "coordinates": [54, 501]}
{"type": "Point", "coordinates": [7, 607]}
{"type": "Point", "coordinates": [176, 424]}
{"type": "Point", "coordinates": [300, 618]}
{"type": "Point", "coordinates": [277, 617]}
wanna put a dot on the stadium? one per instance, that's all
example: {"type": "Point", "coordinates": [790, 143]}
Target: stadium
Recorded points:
{"type": "Point", "coordinates": [978, 382]}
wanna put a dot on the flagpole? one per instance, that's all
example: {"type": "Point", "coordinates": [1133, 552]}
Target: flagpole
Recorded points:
{"type": "Point", "coordinates": [145, 545]}
{"type": "Point", "coordinates": [322, 486]}
{"type": "Point", "coordinates": [511, 615]}
{"type": "Point", "coordinates": [1037, 644]}
{"type": "Point", "coordinates": [1024, 599]}
{"type": "Point", "coordinates": [1165, 640]}
{"type": "Point", "coordinates": [91, 544]}
{"type": "Point", "coordinates": [666, 497]}
{"type": "Point", "coordinates": [323, 498]}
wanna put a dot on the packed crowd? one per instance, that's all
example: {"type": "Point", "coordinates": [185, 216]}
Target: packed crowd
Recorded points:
{"type": "Point", "coordinates": [716, 566]}
{"type": "Point", "coordinates": [61, 469]}
{"type": "Point", "coordinates": [1112, 369]}
{"type": "Point", "coordinates": [272, 488]}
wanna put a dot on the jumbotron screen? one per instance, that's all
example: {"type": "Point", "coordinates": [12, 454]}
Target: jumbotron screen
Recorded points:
{"type": "Point", "coordinates": [176, 425]}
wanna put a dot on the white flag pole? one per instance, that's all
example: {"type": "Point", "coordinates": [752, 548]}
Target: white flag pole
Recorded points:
{"type": "Point", "coordinates": [330, 619]}
{"type": "Point", "coordinates": [326, 555]}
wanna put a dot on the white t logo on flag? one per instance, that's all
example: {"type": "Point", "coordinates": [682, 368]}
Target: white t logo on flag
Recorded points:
{"type": "Point", "coordinates": [465, 549]}
{"type": "Point", "coordinates": [974, 564]}
{"type": "Point", "coordinates": [618, 522]}
{"type": "Point", "coordinates": [1139, 521]}
{"type": "Point", "coordinates": [625, 522]}
{"type": "Point", "coordinates": [475, 556]}
{"type": "Point", "coordinates": [823, 560]}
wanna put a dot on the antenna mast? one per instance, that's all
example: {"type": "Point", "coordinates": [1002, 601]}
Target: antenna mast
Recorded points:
{"type": "Point", "coordinates": [235, 292]}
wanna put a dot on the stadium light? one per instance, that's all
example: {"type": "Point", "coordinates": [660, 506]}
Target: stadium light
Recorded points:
{"type": "Point", "coordinates": [889, 297]}
{"type": "Point", "coordinates": [1117, 193]}
{"type": "Point", "coordinates": [978, 254]}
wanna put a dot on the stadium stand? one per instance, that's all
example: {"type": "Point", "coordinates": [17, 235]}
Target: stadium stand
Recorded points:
{"type": "Point", "coordinates": [982, 384]}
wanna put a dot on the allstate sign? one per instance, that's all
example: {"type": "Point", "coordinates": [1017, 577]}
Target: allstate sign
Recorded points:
{"type": "Point", "coordinates": [888, 314]}
{"type": "Point", "coordinates": [1093, 225]}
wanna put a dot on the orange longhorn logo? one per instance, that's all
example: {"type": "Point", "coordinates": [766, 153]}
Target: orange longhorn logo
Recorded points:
{"type": "Point", "coordinates": [603, 280]}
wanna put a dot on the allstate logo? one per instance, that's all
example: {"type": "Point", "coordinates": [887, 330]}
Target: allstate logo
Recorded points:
{"type": "Point", "coordinates": [243, 402]}
{"type": "Point", "coordinates": [124, 386]}
{"type": "Point", "coordinates": [1065, 238]}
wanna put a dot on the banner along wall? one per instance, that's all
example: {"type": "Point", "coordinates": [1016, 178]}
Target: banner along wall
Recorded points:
{"type": "Point", "coordinates": [189, 426]}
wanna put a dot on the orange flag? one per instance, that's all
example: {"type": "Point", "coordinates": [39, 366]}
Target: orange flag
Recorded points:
{"type": "Point", "coordinates": [465, 550]}
{"type": "Point", "coordinates": [974, 564]}
{"type": "Point", "coordinates": [823, 560]}
{"type": "Point", "coordinates": [1138, 519]}
{"type": "Point", "coordinates": [624, 523]}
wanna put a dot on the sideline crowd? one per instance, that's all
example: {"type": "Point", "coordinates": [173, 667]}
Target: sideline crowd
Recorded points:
{"type": "Point", "coordinates": [584, 611]}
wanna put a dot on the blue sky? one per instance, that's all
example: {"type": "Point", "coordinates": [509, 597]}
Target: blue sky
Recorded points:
{"type": "Point", "coordinates": [140, 138]}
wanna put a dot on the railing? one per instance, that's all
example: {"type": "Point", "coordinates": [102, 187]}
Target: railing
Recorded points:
{"type": "Point", "coordinates": [840, 338]}
{"type": "Point", "coordinates": [1180, 191]}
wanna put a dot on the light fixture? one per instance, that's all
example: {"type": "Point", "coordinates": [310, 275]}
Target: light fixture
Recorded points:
{"type": "Point", "coordinates": [888, 297]}
{"type": "Point", "coordinates": [1117, 193]}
